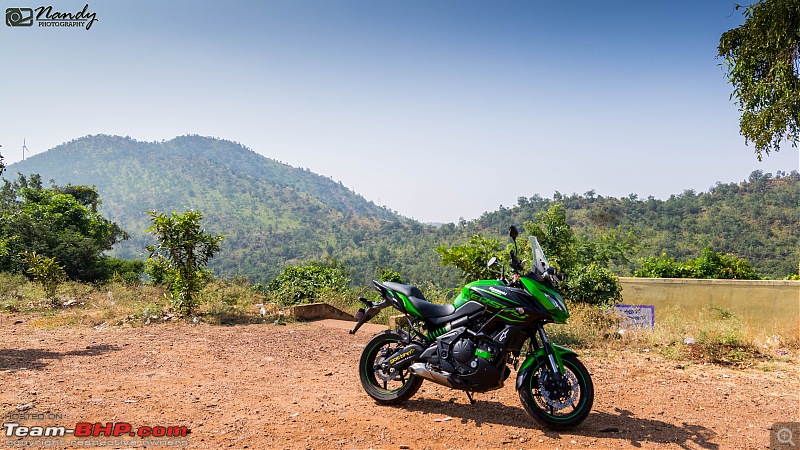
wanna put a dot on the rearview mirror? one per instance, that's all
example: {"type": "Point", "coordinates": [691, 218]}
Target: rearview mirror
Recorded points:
{"type": "Point", "coordinates": [491, 262]}
{"type": "Point", "coordinates": [512, 231]}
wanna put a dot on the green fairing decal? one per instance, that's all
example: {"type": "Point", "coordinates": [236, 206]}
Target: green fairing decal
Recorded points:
{"type": "Point", "coordinates": [536, 289]}
{"type": "Point", "coordinates": [465, 294]}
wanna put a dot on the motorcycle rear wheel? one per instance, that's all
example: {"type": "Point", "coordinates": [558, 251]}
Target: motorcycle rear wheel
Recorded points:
{"type": "Point", "coordinates": [558, 407]}
{"type": "Point", "coordinates": [386, 388]}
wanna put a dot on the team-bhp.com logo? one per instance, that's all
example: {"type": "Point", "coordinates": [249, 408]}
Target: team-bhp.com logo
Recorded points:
{"type": "Point", "coordinates": [46, 16]}
{"type": "Point", "coordinates": [86, 430]}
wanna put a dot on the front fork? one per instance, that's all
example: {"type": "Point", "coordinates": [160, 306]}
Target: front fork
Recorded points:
{"type": "Point", "coordinates": [549, 353]}
{"type": "Point", "coordinates": [555, 366]}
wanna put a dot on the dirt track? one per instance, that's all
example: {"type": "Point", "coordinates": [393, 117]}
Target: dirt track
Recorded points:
{"type": "Point", "coordinates": [296, 386]}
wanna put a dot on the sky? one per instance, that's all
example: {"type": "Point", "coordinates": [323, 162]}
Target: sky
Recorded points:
{"type": "Point", "coordinates": [439, 110]}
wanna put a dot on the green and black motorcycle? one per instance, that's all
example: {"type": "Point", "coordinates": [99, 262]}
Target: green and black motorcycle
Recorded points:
{"type": "Point", "coordinates": [470, 344]}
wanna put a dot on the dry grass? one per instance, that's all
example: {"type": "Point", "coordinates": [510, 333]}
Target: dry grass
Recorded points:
{"type": "Point", "coordinates": [719, 336]}
{"type": "Point", "coordinates": [713, 335]}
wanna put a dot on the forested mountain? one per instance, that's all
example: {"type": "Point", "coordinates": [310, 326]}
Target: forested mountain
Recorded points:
{"type": "Point", "coordinates": [272, 214]}
{"type": "Point", "coordinates": [757, 219]}
{"type": "Point", "coordinates": [275, 215]}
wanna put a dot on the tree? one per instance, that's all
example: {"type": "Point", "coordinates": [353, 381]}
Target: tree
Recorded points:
{"type": "Point", "coordinates": [584, 260]}
{"type": "Point", "coordinates": [392, 276]}
{"type": "Point", "coordinates": [762, 57]}
{"type": "Point", "coordinates": [60, 223]}
{"type": "Point", "coordinates": [180, 257]}
{"type": "Point", "coordinates": [2, 165]}
{"type": "Point", "coordinates": [471, 258]}
{"type": "Point", "coordinates": [555, 236]}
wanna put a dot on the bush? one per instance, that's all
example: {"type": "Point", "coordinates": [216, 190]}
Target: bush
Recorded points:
{"type": "Point", "coordinates": [45, 271]}
{"type": "Point", "coordinates": [307, 284]}
{"type": "Point", "coordinates": [120, 270]}
{"type": "Point", "coordinates": [471, 258]}
{"type": "Point", "coordinates": [709, 265]}
{"type": "Point", "coordinates": [392, 276]}
{"type": "Point", "coordinates": [593, 285]}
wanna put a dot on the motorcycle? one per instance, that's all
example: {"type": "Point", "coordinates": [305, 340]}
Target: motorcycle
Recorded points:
{"type": "Point", "coordinates": [470, 344]}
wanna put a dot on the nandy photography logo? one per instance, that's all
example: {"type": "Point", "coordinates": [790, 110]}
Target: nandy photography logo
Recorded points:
{"type": "Point", "coordinates": [46, 16]}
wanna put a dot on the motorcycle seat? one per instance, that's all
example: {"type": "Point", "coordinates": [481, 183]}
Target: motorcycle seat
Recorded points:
{"type": "Point", "coordinates": [417, 300]}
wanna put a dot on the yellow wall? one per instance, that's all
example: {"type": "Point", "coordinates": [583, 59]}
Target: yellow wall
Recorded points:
{"type": "Point", "coordinates": [762, 304]}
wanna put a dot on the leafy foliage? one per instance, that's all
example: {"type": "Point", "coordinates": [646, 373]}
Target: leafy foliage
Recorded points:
{"type": "Point", "coordinates": [59, 222]}
{"type": "Point", "coordinates": [710, 264]}
{"type": "Point", "coordinates": [755, 219]}
{"type": "Point", "coordinates": [275, 216]}
{"type": "Point", "coordinates": [121, 270]}
{"type": "Point", "coordinates": [308, 283]}
{"type": "Point", "coordinates": [585, 261]}
{"type": "Point", "coordinates": [392, 276]}
{"type": "Point", "coordinates": [471, 258]}
{"type": "Point", "coordinates": [588, 281]}
{"type": "Point", "coordinates": [180, 257]}
{"type": "Point", "coordinates": [555, 236]}
{"type": "Point", "coordinates": [593, 284]}
{"type": "Point", "coordinates": [763, 62]}
{"type": "Point", "coordinates": [45, 271]}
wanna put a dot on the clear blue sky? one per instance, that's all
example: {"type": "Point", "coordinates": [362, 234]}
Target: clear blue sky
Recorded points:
{"type": "Point", "coordinates": [437, 109]}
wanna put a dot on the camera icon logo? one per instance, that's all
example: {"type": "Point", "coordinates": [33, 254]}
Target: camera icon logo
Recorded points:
{"type": "Point", "coordinates": [19, 17]}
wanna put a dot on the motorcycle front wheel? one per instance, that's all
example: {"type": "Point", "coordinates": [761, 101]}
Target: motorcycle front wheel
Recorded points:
{"type": "Point", "coordinates": [558, 404]}
{"type": "Point", "coordinates": [386, 388]}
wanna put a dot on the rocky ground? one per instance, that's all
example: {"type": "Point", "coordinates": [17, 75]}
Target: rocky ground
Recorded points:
{"type": "Point", "coordinates": [296, 386]}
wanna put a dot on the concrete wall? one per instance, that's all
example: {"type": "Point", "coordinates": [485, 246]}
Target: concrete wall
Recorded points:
{"type": "Point", "coordinates": [763, 304]}
{"type": "Point", "coordinates": [316, 311]}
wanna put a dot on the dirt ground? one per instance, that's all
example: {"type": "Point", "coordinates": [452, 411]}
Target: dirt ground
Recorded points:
{"type": "Point", "coordinates": [296, 387]}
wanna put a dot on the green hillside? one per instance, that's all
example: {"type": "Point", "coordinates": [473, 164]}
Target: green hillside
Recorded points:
{"type": "Point", "coordinates": [275, 215]}
{"type": "Point", "coordinates": [757, 219]}
{"type": "Point", "coordinates": [272, 214]}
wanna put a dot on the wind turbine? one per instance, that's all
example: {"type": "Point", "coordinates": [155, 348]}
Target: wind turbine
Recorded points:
{"type": "Point", "coordinates": [24, 148]}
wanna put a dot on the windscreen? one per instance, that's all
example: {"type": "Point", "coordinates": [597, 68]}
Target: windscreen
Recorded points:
{"type": "Point", "coordinates": [539, 260]}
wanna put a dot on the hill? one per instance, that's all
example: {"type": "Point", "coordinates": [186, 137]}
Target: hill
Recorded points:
{"type": "Point", "coordinates": [275, 215]}
{"type": "Point", "coordinates": [272, 214]}
{"type": "Point", "coordinates": [757, 219]}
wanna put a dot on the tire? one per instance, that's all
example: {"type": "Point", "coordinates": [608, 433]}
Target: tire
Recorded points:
{"type": "Point", "coordinates": [386, 389]}
{"type": "Point", "coordinates": [554, 410]}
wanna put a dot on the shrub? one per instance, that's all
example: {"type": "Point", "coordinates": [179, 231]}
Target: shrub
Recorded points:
{"type": "Point", "coordinates": [593, 285]}
{"type": "Point", "coordinates": [306, 284]}
{"type": "Point", "coordinates": [709, 264]}
{"type": "Point", "coordinates": [180, 257]}
{"type": "Point", "coordinates": [46, 271]}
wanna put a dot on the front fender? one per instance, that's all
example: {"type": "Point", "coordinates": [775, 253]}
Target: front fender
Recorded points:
{"type": "Point", "coordinates": [528, 365]}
